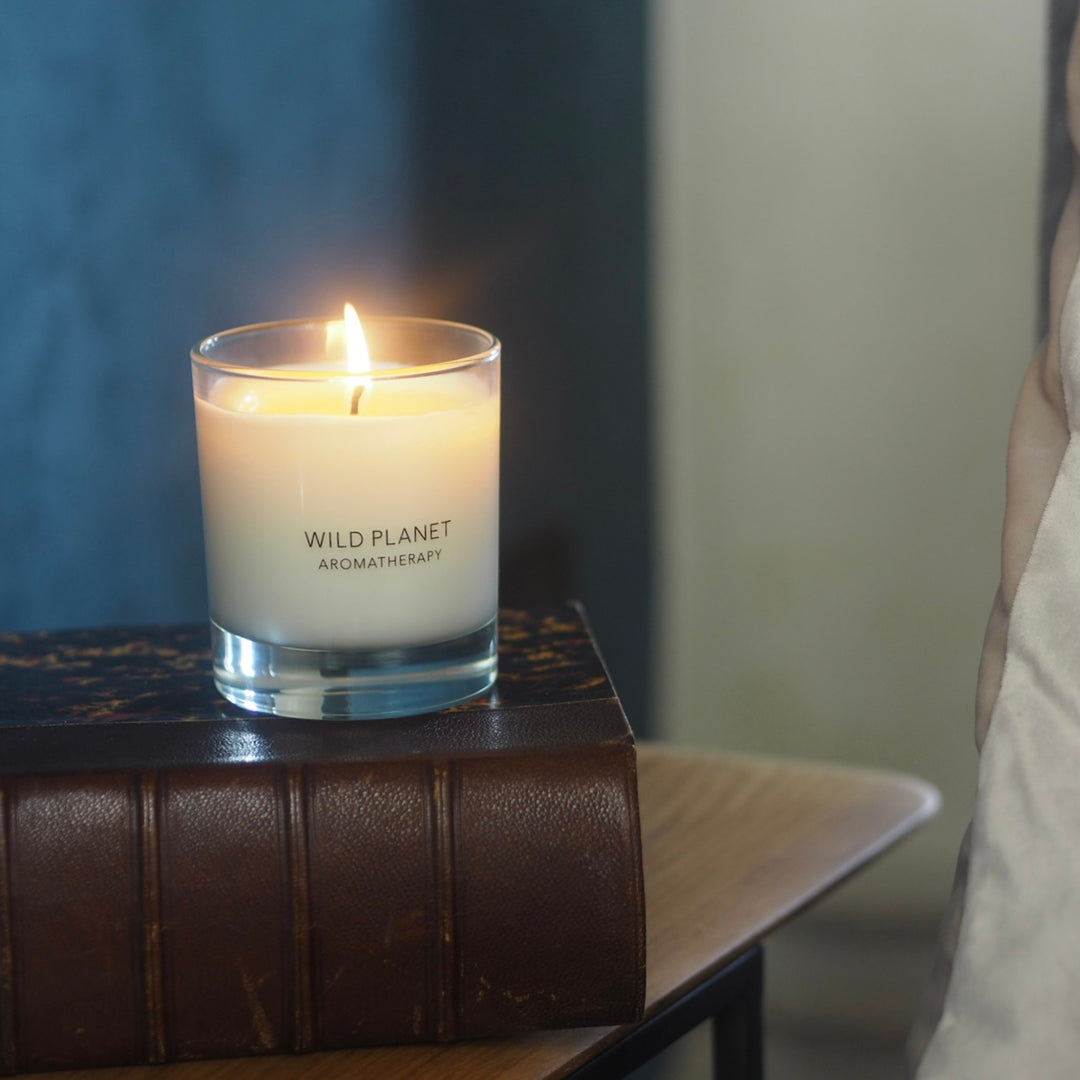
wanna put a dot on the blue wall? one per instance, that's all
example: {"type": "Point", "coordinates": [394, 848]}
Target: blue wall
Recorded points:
{"type": "Point", "coordinates": [168, 170]}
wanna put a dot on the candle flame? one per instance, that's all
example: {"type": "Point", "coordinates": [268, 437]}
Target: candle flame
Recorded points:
{"type": "Point", "coordinates": [358, 359]}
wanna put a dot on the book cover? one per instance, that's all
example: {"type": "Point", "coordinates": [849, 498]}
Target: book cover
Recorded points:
{"type": "Point", "coordinates": [181, 879]}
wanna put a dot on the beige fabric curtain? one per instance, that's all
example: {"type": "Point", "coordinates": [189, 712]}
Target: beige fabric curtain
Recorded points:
{"type": "Point", "coordinates": [1010, 985]}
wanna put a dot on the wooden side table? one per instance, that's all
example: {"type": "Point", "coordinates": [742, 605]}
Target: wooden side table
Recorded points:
{"type": "Point", "coordinates": [733, 847]}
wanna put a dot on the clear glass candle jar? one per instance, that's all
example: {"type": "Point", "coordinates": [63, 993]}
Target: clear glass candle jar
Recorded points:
{"type": "Point", "coordinates": [350, 514]}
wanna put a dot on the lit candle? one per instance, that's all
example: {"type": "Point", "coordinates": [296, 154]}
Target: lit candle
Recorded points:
{"type": "Point", "coordinates": [350, 510]}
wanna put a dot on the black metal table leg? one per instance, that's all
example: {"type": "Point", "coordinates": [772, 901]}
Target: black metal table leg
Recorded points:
{"type": "Point", "coordinates": [737, 1042]}
{"type": "Point", "coordinates": [731, 998]}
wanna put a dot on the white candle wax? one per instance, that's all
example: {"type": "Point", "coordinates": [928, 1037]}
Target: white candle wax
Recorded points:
{"type": "Point", "coordinates": [327, 530]}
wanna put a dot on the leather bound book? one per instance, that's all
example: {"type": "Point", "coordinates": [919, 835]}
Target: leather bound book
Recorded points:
{"type": "Point", "coordinates": [181, 879]}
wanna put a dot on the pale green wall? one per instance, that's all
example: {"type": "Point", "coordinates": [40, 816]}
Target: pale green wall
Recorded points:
{"type": "Point", "coordinates": [845, 230]}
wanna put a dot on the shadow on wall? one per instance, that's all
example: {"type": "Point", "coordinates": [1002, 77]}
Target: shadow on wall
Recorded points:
{"type": "Point", "coordinates": [171, 171]}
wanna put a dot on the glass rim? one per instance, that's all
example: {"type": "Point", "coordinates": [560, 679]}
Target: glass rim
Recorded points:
{"type": "Point", "coordinates": [200, 359]}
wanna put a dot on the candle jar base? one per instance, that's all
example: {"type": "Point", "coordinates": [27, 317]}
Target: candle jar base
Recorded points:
{"type": "Point", "coordinates": [353, 684]}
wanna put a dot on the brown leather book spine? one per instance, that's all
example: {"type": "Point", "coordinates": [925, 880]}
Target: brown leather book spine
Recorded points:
{"type": "Point", "coordinates": [220, 911]}
{"type": "Point", "coordinates": [180, 880]}
{"type": "Point", "coordinates": [74, 988]}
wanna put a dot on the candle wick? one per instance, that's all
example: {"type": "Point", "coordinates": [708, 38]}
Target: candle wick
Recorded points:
{"type": "Point", "coordinates": [354, 409]}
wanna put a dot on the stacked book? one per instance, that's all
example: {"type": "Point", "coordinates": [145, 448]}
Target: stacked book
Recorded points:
{"type": "Point", "coordinates": [180, 879]}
